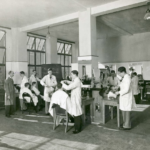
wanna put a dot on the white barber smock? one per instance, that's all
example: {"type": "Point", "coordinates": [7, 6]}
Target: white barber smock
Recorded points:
{"type": "Point", "coordinates": [126, 100]}
{"type": "Point", "coordinates": [75, 87]}
{"type": "Point", "coordinates": [51, 83]}
{"type": "Point", "coordinates": [22, 85]}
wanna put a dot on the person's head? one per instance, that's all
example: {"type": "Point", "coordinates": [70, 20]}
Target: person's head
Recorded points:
{"type": "Point", "coordinates": [112, 73]}
{"type": "Point", "coordinates": [50, 71]}
{"type": "Point", "coordinates": [134, 74]}
{"type": "Point", "coordinates": [11, 73]}
{"type": "Point", "coordinates": [33, 83]}
{"type": "Point", "coordinates": [74, 74]}
{"type": "Point", "coordinates": [22, 73]}
{"type": "Point", "coordinates": [27, 85]}
{"type": "Point", "coordinates": [113, 88]}
{"type": "Point", "coordinates": [34, 72]}
{"type": "Point", "coordinates": [59, 85]}
{"type": "Point", "coordinates": [121, 71]}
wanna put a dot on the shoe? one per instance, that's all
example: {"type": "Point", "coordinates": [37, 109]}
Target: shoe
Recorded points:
{"type": "Point", "coordinates": [47, 114]}
{"type": "Point", "coordinates": [76, 132]}
{"type": "Point", "coordinates": [122, 128]}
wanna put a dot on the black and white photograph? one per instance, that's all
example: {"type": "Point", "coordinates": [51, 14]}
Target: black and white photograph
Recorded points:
{"type": "Point", "coordinates": [74, 74]}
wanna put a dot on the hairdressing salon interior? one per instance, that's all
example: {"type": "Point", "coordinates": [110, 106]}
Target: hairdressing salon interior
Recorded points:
{"type": "Point", "coordinates": [92, 37]}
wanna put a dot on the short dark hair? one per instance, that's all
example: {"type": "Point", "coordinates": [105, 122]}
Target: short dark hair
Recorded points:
{"type": "Point", "coordinates": [10, 72]}
{"type": "Point", "coordinates": [33, 83]}
{"type": "Point", "coordinates": [26, 84]}
{"type": "Point", "coordinates": [112, 71]}
{"type": "Point", "coordinates": [49, 69]}
{"type": "Point", "coordinates": [22, 72]}
{"type": "Point", "coordinates": [59, 85]}
{"type": "Point", "coordinates": [122, 69]}
{"type": "Point", "coordinates": [75, 72]}
{"type": "Point", "coordinates": [134, 73]}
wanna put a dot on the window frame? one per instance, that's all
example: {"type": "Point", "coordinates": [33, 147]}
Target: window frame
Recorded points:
{"type": "Point", "coordinates": [64, 66]}
{"type": "Point", "coordinates": [35, 51]}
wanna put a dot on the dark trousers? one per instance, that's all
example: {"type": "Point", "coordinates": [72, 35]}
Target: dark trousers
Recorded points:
{"type": "Point", "coordinates": [78, 123]}
{"type": "Point", "coordinates": [137, 98]}
{"type": "Point", "coordinates": [9, 109]}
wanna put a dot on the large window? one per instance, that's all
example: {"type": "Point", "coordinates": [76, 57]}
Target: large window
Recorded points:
{"type": "Point", "coordinates": [2, 58]}
{"type": "Point", "coordinates": [36, 53]}
{"type": "Point", "coordinates": [64, 51]}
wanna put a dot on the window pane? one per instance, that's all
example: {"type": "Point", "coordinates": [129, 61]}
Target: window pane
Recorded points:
{"type": "Point", "coordinates": [37, 43]}
{"type": "Point", "coordinates": [39, 73]}
{"type": "Point", "coordinates": [70, 61]}
{"type": "Point", "coordinates": [58, 60]}
{"type": "Point", "coordinates": [62, 72]}
{"type": "Point", "coordinates": [61, 47]}
{"type": "Point", "coordinates": [2, 55]}
{"type": "Point", "coordinates": [38, 59]}
{"type": "Point", "coordinates": [3, 41]}
{"type": "Point", "coordinates": [30, 70]}
{"type": "Point", "coordinates": [27, 39]}
{"type": "Point", "coordinates": [42, 58]}
{"type": "Point", "coordinates": [43, 49]}
{"type": "Point", "coordinates": [32, 57]}
{"type": "Point", "coordinates": [2, 76]}
{"type": "Point", "coordinates": [66, 60]}
{"type": "Point", "coordinates": [40, 47]}
{"type": "Point", "coordinates": [30, 43]}
{"type": "Point", "coordinates": [58, 46]}
{"type": "Point", "coordinates": [62, 60]}
{"type": "Point", "coordinates": [1, 34]}
{"type": "Point", "coordinates": [66, 46]}
{"type": "Point", "coordinates": [68, 49]}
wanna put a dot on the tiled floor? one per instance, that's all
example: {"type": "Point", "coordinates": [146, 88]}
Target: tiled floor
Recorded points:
{"type": "Point", "coordinates": [34, 132]}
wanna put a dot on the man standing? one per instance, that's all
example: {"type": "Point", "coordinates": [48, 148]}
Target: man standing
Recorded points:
{"type": "Point", "coordinates": [75, 87]}
{"type": "Point", "coordinates": [49, 82]}
{"type": "Point", "coordinates": [9, 94]}
{"type": "Point", "coordinates": [113, 80]}
{"type": "Point", "coordinates": [34, 78]}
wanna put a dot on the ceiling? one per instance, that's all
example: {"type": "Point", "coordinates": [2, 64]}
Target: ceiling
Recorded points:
{"type": "Point", "coordinates": [19, 13]}
{"type": "Point", "coordinates": [127, 22]}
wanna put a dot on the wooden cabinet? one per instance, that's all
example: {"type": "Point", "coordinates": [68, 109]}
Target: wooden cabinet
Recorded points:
{"type": "Point", "coordinates": [2, 98]}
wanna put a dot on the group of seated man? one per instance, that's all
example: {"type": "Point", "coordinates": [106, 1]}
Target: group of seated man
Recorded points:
{"type": "Point", "coordinates": [31, 93]}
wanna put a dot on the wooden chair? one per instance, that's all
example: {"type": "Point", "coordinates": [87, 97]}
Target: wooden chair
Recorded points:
{"type": "Point", "coordinates": [57, 111]}
{"type": "Point", "coordinates": [28, 104]}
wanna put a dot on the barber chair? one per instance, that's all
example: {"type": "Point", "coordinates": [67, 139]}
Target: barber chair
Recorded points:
{"type": "Point", "coordinates": [57, 111]}
{"type": "Point", "coordinates": [28, 104]}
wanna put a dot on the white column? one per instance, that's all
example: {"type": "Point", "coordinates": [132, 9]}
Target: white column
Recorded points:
{"type": "Point", "coordinates": [87, 43]}
{"type": "Point", "coordinates": [87, 34]}
{"type": "Point", "coordinates": [16, 56]}
{"type": "Point", "coordinates": [51, 50]}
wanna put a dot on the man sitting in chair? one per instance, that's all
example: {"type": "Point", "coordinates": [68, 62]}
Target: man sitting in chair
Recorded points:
{"type": "Point", "coordinates": [37, 93]}
{"type": "Point", "coordinates": [32, 95]}
{"type": "Point", "coordinates": [60, 98]}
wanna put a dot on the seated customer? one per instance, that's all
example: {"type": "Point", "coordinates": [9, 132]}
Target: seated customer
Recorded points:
{"type": "Point", "coordinates": [112, 92]}
{"type": "Point", "coordinates": [37, 93]}
{"type": "Point", "coordinates": [28, 91]}
{"type": "Point", "coordinates": [60, 98]}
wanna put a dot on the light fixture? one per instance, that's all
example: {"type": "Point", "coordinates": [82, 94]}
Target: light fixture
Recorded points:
{"type": "Point", "coordinates": [147, 15]}
{"type": "Point", "coordinates": [48, 34]}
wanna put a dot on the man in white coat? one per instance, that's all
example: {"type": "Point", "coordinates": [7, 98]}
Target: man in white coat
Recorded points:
{"type": "Point", "coordinates": [126, 100]}
{"type": "Point", "coordinates": [22, 86]}
{"type": "Point", "coordinates": [49, 82]}
{"type": "Point", "coordinates": [75, 87]}
{"type": "Point", "coordinates": [135, 87]}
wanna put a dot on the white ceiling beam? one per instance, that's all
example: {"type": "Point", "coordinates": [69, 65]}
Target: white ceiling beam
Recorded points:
{"type": "Point", "coordinates": [51, 22]}
{"type": "Point", "coordinates": [116, 6]}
